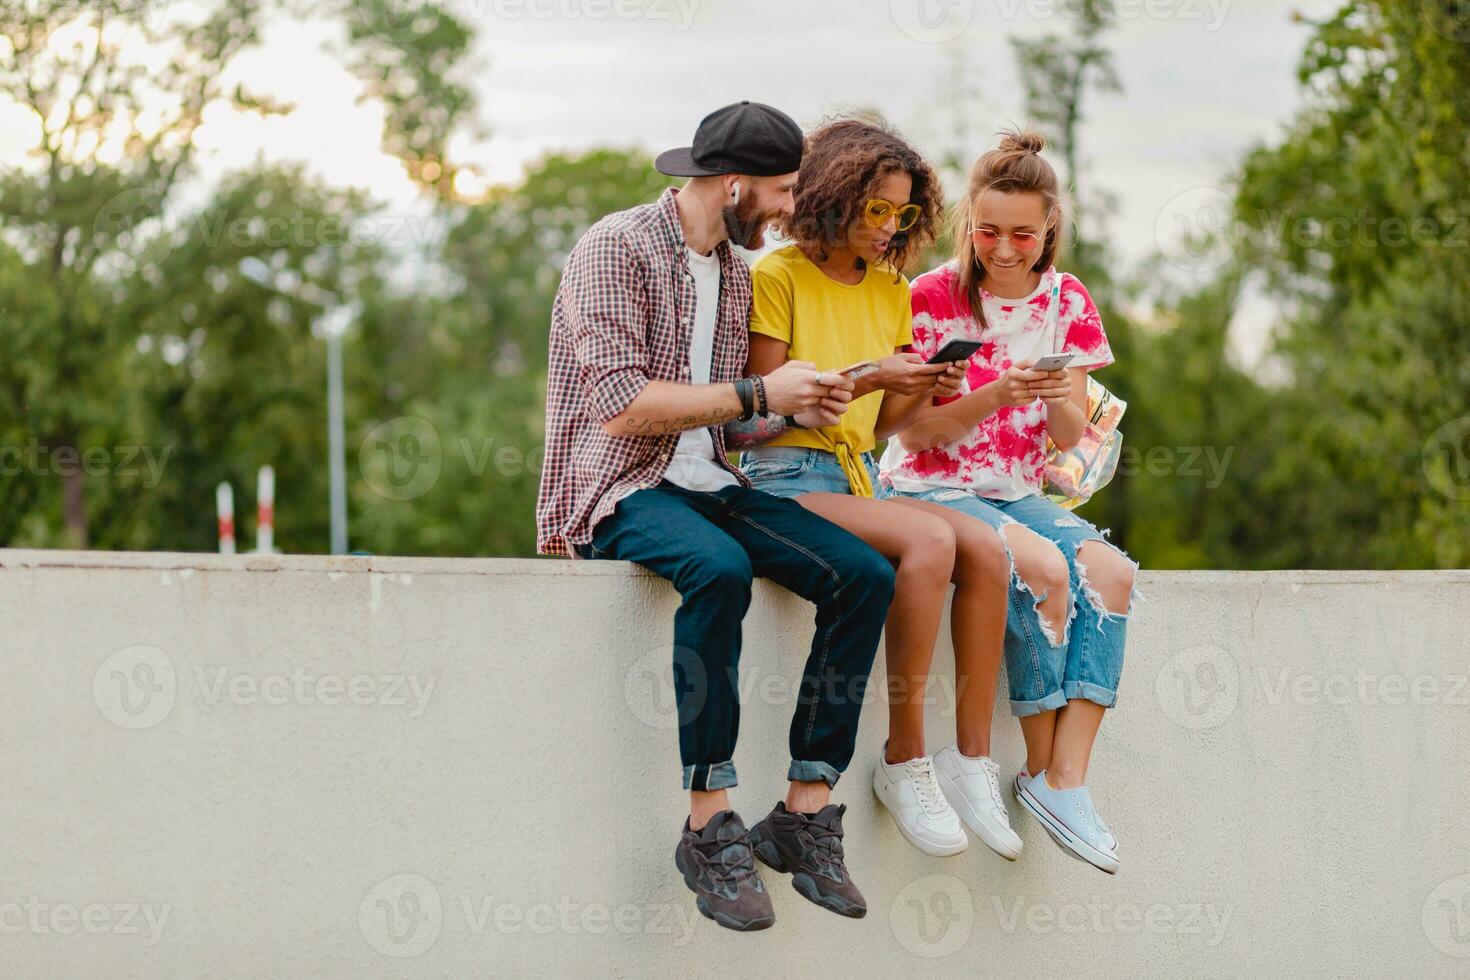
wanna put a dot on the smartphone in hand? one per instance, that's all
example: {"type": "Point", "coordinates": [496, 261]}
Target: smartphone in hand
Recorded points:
{"type": "Point", "coordinates": [858, 370]}
{"type": "Point", "coordinates": [955, 350]}
{"type": "Point", "coordinates": [1053, 362]}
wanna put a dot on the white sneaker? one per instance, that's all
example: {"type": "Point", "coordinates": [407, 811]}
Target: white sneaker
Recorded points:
{"type": "Point", "coordinates": [911, 793]}
{"type": "Point", "coordinates": [972, 787]}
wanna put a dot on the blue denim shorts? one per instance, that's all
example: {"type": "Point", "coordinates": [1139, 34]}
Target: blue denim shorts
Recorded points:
{"type": "Point", "coordinates": [790, 471]}
{"type": "Point", "coordinates": [1047, 671]}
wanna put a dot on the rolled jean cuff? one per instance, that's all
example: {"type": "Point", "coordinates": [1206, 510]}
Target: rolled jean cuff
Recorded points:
{"type": "Point", "coordinates": [1025, 709]}
{"type": "Point", "coordinates": [706, 776]}
{"type": "Point", "coordinates": [810, 772]}
{"type": "Point", "coordinates": [1083, 691]}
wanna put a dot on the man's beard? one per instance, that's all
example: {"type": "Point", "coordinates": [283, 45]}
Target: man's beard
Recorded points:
{"type": "Point", "coordinates": [745, 224]}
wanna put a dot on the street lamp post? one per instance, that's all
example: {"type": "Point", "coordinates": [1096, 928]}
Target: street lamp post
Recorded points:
{"type": "Point", "coordinates": [332, 323]}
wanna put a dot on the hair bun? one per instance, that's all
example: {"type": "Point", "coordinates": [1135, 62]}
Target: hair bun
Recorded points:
{"type": "Point", "coordinates": [1027, 141]}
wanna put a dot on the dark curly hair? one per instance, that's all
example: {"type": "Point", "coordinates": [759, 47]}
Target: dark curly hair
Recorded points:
{"type": "Point", "coordinates": [845, 161]}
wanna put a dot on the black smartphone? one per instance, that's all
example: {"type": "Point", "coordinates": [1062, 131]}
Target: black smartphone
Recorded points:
{"type": "Point", "coordinates": [956, 350]}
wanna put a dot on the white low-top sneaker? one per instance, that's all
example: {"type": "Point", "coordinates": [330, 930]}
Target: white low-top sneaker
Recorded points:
{"type": "Point", "coordinates": [911, 793]}
{"type": "Point", "coordinates": [1072, 821]}
{"type": "Point", "coordinates": [972, 787]}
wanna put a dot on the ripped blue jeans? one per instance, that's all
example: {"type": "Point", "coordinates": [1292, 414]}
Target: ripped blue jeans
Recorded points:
{"type": "Point", "coordinates": [1086, 661]}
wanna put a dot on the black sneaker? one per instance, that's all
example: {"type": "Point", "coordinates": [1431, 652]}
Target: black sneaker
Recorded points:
{"type": "Point", "coordinates": [718, 868]}
{"type": "Point", "coordinates": [809, 848]}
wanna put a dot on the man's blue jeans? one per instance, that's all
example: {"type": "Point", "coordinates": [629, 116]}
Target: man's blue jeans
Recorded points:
{"type": "Point", "coordinates": [710, 546]}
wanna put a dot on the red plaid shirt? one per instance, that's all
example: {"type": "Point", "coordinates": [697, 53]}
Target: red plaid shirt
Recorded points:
{"type": "Point", "coordinates": [623, 317]}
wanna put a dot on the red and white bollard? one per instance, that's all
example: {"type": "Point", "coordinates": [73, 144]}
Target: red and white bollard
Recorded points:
{"type": "Point", "coordinates": [224, 505]}
{"type": "Point", "coordinates": [265, 511]}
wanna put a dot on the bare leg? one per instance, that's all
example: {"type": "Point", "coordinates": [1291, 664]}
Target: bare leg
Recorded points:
{"type": "Point", "coordinates": [1040, 734]}
{"type": "Point", "coordinates": [982, 575]}
{"type": "Point", "coordinates": [1041, 566]}
{"type": "Point", "coordinates": [808, 797]}
{"type": "Point", "coordinates": [1046, 574]}
{"type": "Point", "coordinates": [922, 548]}
{"type": "Point", "coordinates": [1109, 574]}
{"type": "Point", "coordinates": [702, 806]}
{"type": "Point", "coordinates": [1109, 577]}
{"type": "Point", "coordinates": [1077, 726]}
{"type": "Point", "coordinates": [802, 797]}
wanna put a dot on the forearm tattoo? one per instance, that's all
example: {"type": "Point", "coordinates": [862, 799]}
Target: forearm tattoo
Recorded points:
{"type": "Point", "coordinates": [753, 432]}
{"type": "Point", "coordinates": [662, 427]}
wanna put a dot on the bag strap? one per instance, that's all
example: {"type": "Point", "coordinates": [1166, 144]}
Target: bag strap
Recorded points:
{"type": "Point", "coordinates": [1054, 308]}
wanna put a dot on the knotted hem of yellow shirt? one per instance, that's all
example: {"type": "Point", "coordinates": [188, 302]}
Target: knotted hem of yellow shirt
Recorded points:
{"type": "Point", "coordinates": [851, 462]}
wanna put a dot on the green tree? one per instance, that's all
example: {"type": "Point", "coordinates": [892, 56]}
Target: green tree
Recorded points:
{"type": "Point", "coordinates": [117, 90]}
{"type": "Point", "coordinates": [233, 376]}
{"type": "Point", "coordinates": [78, 71]}
{"type": "Point", "coordinates": [1358, 219]}
{"type": "Point", "coordinates": [476, 373]}
{"type": "Point", "coordinates": [1058, 72]}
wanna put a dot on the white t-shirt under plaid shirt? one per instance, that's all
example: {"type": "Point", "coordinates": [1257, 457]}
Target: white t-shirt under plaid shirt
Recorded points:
{"type": "Point", "coordinates": [693, 466]}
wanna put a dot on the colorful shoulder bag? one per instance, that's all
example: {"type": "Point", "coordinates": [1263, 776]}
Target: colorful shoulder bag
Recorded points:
{"type": "Point", "coordinates": [1072, 477]}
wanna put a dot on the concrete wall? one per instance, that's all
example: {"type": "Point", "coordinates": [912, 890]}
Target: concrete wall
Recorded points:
{"type": "Point", "coordinates": [385, 767]}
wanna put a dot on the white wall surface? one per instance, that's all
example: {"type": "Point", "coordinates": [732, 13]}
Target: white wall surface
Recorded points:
{"type": "Point", "coordinates": [393, 767]}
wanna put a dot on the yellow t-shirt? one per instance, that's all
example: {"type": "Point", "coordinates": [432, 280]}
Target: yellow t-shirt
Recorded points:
{"type": "Point", "coordinates": [832, 325]}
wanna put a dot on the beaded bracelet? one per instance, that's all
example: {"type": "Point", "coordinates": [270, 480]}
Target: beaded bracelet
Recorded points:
{"type": "Point", "coordinates": [762, 406]}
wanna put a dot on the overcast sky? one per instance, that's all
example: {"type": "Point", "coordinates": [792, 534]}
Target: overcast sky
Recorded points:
{"type": "Point", "coordinates": [1203, 80]}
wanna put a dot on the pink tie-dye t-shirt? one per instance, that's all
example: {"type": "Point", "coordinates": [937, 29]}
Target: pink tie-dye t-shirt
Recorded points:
{"type": "Point", "coordinates": [1004, 456]}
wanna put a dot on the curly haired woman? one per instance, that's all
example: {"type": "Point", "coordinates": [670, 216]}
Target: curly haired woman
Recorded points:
{"type": "Point", "coordinates": [866, 204]}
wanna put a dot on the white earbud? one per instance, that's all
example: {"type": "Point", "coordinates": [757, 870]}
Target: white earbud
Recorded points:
{"type": "Point", "coordinates": [735, 189]}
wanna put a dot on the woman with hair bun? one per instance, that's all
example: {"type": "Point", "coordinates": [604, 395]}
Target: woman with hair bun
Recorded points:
{"type": "Point", "coordinates": [981, 451]}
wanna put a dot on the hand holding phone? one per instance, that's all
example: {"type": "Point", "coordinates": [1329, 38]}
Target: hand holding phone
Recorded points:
{"type": "Point", "coordinates": [1021, 384]}
{"type": "Point", "coordinates": [1049, 384]}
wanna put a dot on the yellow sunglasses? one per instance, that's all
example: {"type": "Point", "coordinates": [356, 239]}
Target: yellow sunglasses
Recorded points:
{"type": "Point", "coordinates": [877, 212]}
